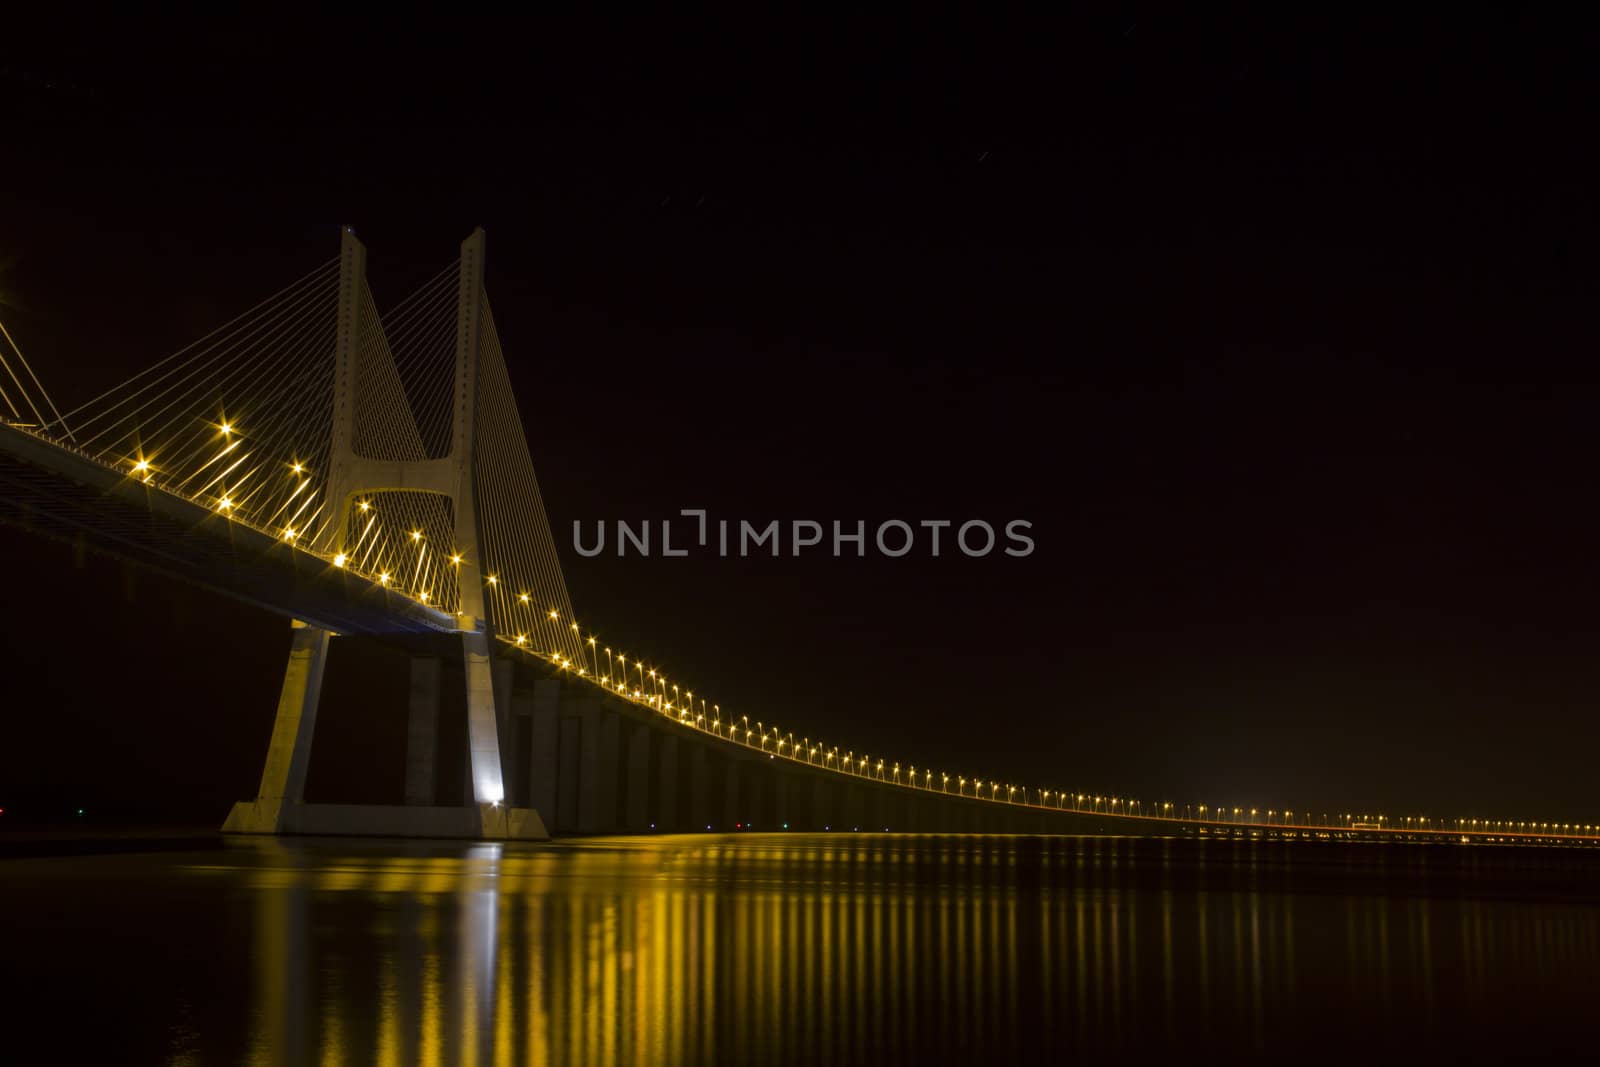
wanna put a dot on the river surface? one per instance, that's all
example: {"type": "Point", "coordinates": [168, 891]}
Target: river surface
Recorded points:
{"type": "Point", "coordinates": [844, 948]}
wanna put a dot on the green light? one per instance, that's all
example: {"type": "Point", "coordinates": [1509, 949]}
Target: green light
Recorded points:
{"type": "Point", "coordinates": [80, 811]}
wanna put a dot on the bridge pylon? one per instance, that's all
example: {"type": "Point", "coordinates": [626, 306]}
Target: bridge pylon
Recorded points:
{"type": "Point", "coordinates": [280, 806]}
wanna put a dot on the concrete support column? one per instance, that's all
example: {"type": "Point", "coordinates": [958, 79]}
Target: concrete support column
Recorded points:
{"type": "Point", "coordinates": [283, 778]}
{"type": "Point", "coordinates": [517, 751]}
{"type": "Point", "coordinates": [666, 813]}
{"type": "Point", "coordinates": [822, 813]}
{"type": "Point", "coordinates": [699, 788]}
{"type": "Point", "coordinates": [638, 802]}
{"type": "Point", "coordinates": [877, 816]}
{"type": "Point", "coordinates": [545, 742]}
{"type": "Point", "coordinates": [733, 810]}
{"type": "Point", "coordinates": [855, 807]}
{"type": "Point", "coordinates": [569, 767]}
{"type": "Point", "coordinates": [589, 775]}
{"type": "Point", "coordinates": [483, 722]}
{"type": "Point", "coordinates": [422, 732]}
{"type": "Point", "coordinates": [502, 673]}
{"type": "Point", "coordinates": [610, 802]}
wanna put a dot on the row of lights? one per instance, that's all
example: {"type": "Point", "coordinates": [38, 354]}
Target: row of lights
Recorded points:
{"type": "Point", "coordinates": [652, 689]}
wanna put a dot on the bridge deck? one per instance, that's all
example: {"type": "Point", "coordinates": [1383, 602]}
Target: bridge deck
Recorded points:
{"type": "Point", "coordinates": [63, 494]}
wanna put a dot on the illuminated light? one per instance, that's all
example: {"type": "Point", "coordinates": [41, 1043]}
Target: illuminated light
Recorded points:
{"type": "Point", "coordinates": [384, 578]}
{"type": "Point", "coordinates": [226, 429]}
{"type": "Point", "coordinates": [591, 645]}
{"type": "Point", "coordinates": [141, 466]}
{"type": "Point", "coordinates": [364, 506]}
{"type": "Point", "coordinates": [522, 597]}
{"type": "Point", "coordinates": [456, 559]}
{"type": "Point", "coordinates": [338, 561]}
{"type": "Point", "coordinates": [224, 504]}
{"type": "Point", "coordinates": [288, 533]}
{"type": "Point", "coordinates": [522, 639]}
{"type": "Point", "coordinates": [416, 535]}
{"type": "Point", "coordinates": [423, 596]}
{"type": "Point", "coordinates": [493, 580]}
{"type": "Point", "coordinates": [297, 467]}
{"type": "Point", "coordinates": [554, 614]}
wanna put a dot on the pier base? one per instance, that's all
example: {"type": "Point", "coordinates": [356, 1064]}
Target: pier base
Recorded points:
{"type": "Point", "coordinates": [486, 822]}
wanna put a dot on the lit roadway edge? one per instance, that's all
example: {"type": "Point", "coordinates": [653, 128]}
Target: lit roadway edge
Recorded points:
{"type": "Point", "coordinates": [402, 612]}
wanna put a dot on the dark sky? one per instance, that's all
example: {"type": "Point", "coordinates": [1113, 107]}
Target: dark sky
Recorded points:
{"type": "Point", "coordinates": [1278, 328]}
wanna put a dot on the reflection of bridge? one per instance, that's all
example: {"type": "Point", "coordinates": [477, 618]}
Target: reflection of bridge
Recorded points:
{"type": "Point", "coordinates": [369, 477]}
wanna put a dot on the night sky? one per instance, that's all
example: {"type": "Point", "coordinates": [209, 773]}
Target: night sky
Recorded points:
{"type": "Point", "coordinates": [1279, 329]}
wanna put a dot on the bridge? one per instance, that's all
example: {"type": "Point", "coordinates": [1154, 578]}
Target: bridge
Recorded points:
{"type": "Point", "coordinates": [367, 477]}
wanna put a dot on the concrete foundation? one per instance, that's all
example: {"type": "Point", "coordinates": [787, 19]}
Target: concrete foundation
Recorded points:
{"type": "Point", "coordinates": [488, 822]}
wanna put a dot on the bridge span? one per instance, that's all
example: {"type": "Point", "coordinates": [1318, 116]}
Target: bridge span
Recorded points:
{"type": "Point", "coordinates": [367, 478]}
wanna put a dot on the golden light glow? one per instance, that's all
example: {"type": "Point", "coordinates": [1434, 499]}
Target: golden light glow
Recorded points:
{"type": "Point", "coordinates": [288, 533]}
{"type": "Point", "coordinates": [416, 535]}
{"type": "Point", "coordinates": [364, 506]}
{"type": "Point", "coordinates": [297, 467]}
{"type": "Point", "coordinates": [456, 559]}
{"type": "Point", "coordinates": [522, 597]}
{"type": "Point", "coordinates": [554, 614]}
{"type": "Point", "coordinates": [224, 504]}
{"type": "Point", "coordinates": [226, 429]}
{"type": "Point", "coordinates": [338, 560]}
{"type": "Point", "coordinates": [384, 578]}
{"type": "Point", "coordinates": [493, 580]}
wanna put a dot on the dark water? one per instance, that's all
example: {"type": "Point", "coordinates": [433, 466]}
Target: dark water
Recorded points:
{"type": "Point", "coordinates": [801, 949]}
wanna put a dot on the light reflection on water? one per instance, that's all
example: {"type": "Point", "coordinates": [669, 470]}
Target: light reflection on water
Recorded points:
{"type": "Point", "coordinates": [841, 948]}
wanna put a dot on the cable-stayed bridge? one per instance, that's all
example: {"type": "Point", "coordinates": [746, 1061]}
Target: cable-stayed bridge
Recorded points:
{"type": "Point", "coordinates": [369, 475]}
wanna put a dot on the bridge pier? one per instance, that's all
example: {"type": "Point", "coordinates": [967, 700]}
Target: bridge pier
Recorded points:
{"type": "Point", "coordinates": [569, 768]}
{"type": "Point", "coordinates": [666, 819]}
{"type": "Point", "coordinates": [699, 814]}
{"type": "Point", "coordinates": [638, 799]}
{"type": "Point", "coordinates": [283, 777]}
{"type": "Point", "coordinates": [544, 748]}
{"type": "Point", "coordinates": [822, 806]}
{"type": "Point", "coordinates": [502, 676]}
{"type": "Point", "coordinates": [280, 806]}
{"type": "Point", "coordinates": [733, 809]}
{"type": "Point", "coordinates": [422, 732]}
{"type": "Point", "coordinates": [851, 816]}
{"type": "Point", "coordinates": [780, 801]}
{"type": "Point", "coordinates": [597, 768]}
{"type": "Point", "coordinates": [611, 771]}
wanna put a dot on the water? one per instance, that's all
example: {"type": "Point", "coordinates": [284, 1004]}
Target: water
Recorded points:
{"type": "Point", "coordinates": [801, 949]}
